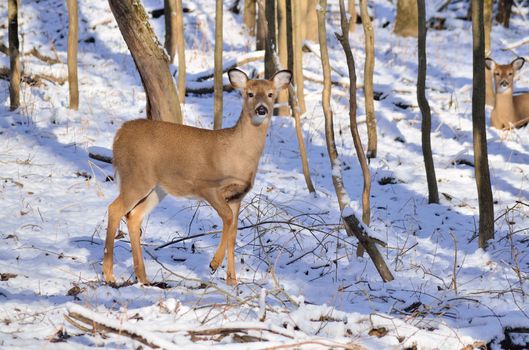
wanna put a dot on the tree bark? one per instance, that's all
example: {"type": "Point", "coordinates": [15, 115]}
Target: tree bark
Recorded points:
{"type": "Point", "coordinates": [369, 66]}
{"type": "Point", "coordinates": [486, 206]}
{"type": "Point", "coordinates": [406, 23]}
{"type": "Point", "coordinates": [15, 75]}
{"type": "Point", "coordinates": [433, 195]}
{"type": "Point", "coordinates": [260, 40]}
{"type": "Point", "coordinates": [217, 94]}
{"type": "Point", "coordinates": [504, 12]}
{"type": "Point", "coordinates": [175, 42]}
{"type": "Point", "coordinates": [290, 37]}
{"type": "Point", "coordinates": [310, 21]}
{"type": "Point", "coordinates": [249, 16]}
{"type": "Point", "coordinates": [298, 54]}
{"type": "Point", "coordinates": [344, 41]}
{"type": "Point", "coordinates": [487, 17]}
{"type": "Point", "coordinates": [352, 13]}
{"type": "Point", "coordinates": [151, 61]}
{"type": "Point", "coordinates": [73, 24]}
{"type": "Point", "coordinates": [270, 10]}
{"type": "Point", "coordinates": [282, 99]}
{"type": "Point", "coordinates": [170, 27]}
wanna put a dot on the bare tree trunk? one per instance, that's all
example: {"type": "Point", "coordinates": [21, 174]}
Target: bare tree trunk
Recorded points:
{"type": "Point", "coordinates": [73, 84]}
{"type": "Point", "coordinates": [260, 40]}
{"type": "Point", "coordinates": [406, 23]}
{"type": "Point", "coordinates": [290, 36]}
{"type": "Point", "coordinates": [352, 13]}
{"type": "Point", "coordinates": [217, 94]}
{"type": "Point", "coordinates": [298, 54]}
{"type": "Point", "coordinates": [170, 27]}
{"type": "Point", "coordinates": [14, 59]}
{"type": "Point", "coordinates": [433, 195]}
{"type": "Point", "coordinates": [337, 180]}
{"type": "Point", "coordinates": [270, 10]}
{"type": "Point", "coordinates": [297, 116]}
{"type": "Point", "coordinates": [486, 206]}
{"type": "Point", "coordinates": [487, 17]}
{"type": "Point", "coordinates": [369, 66]}
{"type": "Point", "coordinates": [310, 21]}
{"type": "Point", "coordinates": [249, 16]}
{"type": "Point", "coordinates": [151, 61]}
{"type": "Point", "coordinates": [174, 41]}
{"type": "Point", "coordinates": [283, 52]}
{"type": "Point", "coordinates": [504, 12]}
{"type": "Point", "coordinates": [344, 40]}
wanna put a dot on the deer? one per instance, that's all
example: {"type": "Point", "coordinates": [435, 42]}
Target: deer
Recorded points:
{"type": "Point", "coordinates": [154, 158]}
{"type": "Point", "coordinates": [509, 111]}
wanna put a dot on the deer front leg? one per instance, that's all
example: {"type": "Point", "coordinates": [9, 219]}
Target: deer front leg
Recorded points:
{"type": "Point", "coordinates": [217, 201]}
{"type": "Point", "coordinates": [231, 277]}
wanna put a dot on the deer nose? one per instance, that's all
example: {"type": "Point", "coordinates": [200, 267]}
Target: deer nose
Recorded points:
{"type": "Point", "coordinates": [261, 110]}
{"type": "Point", "coordinates": [504, 83]}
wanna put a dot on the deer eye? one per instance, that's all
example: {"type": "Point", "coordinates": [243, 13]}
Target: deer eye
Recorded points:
{"type": "Point", "coordinates": [510, 73]}
{"type": "Point", "coordinates": [250, 94]}
{"type": "Point", "coordinates": [270, 94]}
{"type": "Point", "coordinates": [497, 73]}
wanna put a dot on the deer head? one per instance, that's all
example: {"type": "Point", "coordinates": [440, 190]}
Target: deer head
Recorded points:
{"type": "Point", "coordinates": [504, 73]}
{"type": "Point", "coordinates": [259, 95]}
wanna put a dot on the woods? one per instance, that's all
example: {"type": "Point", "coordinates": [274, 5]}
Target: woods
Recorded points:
{"type": "Point", "coordinates": [293, 137]}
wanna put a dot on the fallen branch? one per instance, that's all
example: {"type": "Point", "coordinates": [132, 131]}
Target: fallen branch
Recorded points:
{"type": "Point", "coordinates": [100, 157]}
{"type": "Point", "coordinates": [229, 64]}
{"type": "Point", "coordinates": [33, 79]}
{"type": "Point", "coordinates": [516, 44]}
{"type": "Point", "coordinates": [369, 243]}
{"type": "Point", "coordinates": [49, 60]}
{"type": "Point", "coordinates": [86, 318]}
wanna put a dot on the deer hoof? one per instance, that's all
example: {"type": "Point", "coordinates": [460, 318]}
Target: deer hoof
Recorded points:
{"type": "Point", "coordinates": [213, 266]}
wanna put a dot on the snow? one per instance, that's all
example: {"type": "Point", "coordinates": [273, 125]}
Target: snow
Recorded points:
{"type": "Point", "coordinates": [297, 269]}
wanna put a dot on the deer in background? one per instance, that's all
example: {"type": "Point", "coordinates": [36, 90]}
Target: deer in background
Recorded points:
{"type": "Point", "coordinates": [509, 111]}
{"type": "Point", "coordinates": [153, 158]}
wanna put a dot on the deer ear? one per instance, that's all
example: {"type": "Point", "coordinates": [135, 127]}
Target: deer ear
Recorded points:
{"type": "Point", "coordinates": [282, 79]}
{"type": "Point", "coordinates": [238, 78]}
{"type": "Point", "coordinates": [518, 63]}
{"type": "Point", "coordinates": [489, 63]}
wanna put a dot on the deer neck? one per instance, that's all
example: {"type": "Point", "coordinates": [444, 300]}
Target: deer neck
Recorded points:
{"type": "Point", "coordinates": [251, 139]}
{"type": "Point", "coordinates": [504, 106]}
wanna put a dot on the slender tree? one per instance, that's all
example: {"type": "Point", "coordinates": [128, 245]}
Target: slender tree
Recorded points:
{"type": "Point", "coordinates": [174, 40]}
{"type": "Point", "coordinates": [369, 66]}
{"type": "Point", "coordinates": [72, 53]}
{"type": "Point", "coordinates": [249, 15]}
{"type": "Point", "coordinates": [150, 60]}
{"type": "Point", "coordinates": [406, 22]}
{"type": "Point", "coordinates": [486, 206]}
{"type": "Point", "coordinates": [297, 43]}
{"type": "Point", "coordinates": [14, 59]}
{"type": "Point", "coordinates": [260, 40]}
{"type": "Point", "coordinates": [270, 10]}
{"type": "Point", "coordinates": [352, 13]}
{"type": "Point", "coordinates": [504, 12]}
{"type": "Point", "coordinates": [310, 20]}
{"type": "Point", "coordinates": [217, 94]}
{"type": "Point", "coordinates": [170, 27]}
{"type": "Point", "coordinates": [487, 17]}
{"type": "Point", "coordinates": [433, 195]}
{"type": "Point", "coordinates": [290, 36]}
{"type": "Point", "coordinates": [282, 51]}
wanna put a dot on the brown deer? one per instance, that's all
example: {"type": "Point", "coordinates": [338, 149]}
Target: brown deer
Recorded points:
{"type": "Point", "coordinates": [509, 111]}
{"type": "Point", "coordinates": [153, 158]}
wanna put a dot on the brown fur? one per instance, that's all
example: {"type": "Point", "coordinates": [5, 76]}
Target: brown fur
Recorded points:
{"type": "Point", "coordinates": [509, 111]}
{"type": "Point", "coordinates": [153, 158]}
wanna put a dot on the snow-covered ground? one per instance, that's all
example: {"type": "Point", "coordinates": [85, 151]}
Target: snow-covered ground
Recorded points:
{"type": "Point", "coordinates": [298, 270]}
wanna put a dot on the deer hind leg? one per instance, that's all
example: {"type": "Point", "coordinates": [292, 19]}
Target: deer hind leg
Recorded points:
{"type": "Point", "coordinates": [116, 210]}
{"type": "Point", "coordinates": [122, 205]}
{"type": "Point", "coordinates": [134, 220]}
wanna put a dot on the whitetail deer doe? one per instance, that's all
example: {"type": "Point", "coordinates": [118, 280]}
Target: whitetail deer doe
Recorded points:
{"type": "Point", "coordinates": [509, 111]}
{"type": "Point", "coordinates": [153, 158]}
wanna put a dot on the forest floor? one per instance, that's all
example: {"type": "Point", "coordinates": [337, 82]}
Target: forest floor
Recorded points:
{"type": "Point", "coordinates": [300, 282]}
